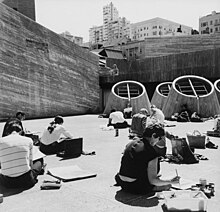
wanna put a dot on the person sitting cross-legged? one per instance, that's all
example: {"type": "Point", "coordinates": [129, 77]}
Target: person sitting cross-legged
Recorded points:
{"type": "Point", "coordinates": [18, 170]}
{"type": "Point", "coordinates": [50, 142]}
{"type": "Point", "coordinates": [138, 172]}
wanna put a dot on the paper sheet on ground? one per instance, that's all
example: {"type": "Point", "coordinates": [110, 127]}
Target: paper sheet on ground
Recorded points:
{"type": "Point", "coordinates": [37, 154]}
{"type": "Point", "coordinates": [184, 184]}
{"type": "Point", "coordinates": [69, 173]}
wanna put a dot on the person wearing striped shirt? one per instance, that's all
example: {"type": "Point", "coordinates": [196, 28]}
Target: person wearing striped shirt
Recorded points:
{"type": "Point", "coordinates": [16, 158]}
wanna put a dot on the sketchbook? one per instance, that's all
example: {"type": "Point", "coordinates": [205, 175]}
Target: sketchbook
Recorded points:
{"type": "Point", "coordinates": [37, 154]}
{"type": "Point", "coordinates": [70, 173]}
{"type": "Point", "coordinates": [184, 184]}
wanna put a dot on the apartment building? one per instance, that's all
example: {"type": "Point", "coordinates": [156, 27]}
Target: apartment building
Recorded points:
{"type": "Point", "coordinates": [96, 34]}
{"type": "Point", "coordinates": [210, 24]}
{"type": "Point", "coordinates": [75, 39]}
{"type": "Point", "coordinates": [157, 27]}
{"type": "Point", "coordinates": [110, 15]}
{"type": "Point", "coordinates": [114, 27]}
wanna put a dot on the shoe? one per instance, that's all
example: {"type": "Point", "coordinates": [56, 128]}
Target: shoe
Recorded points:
{"type": "Point", "coordinates": [211, 145]}
{"type": "Point", "coordinates": [42, 171]}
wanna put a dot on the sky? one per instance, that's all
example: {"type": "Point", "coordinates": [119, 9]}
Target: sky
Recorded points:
{"type": "Point", "coordinates": [77, 16]}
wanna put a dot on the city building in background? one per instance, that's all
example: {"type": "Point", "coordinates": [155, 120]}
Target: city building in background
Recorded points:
{"type": "Point", "coordinates": [157, 27]}
{"type": "Point", "coordinates": [210, 24]}
{"type": "Point", "coordinates": [96, 34]}
{"type": "Point", "coordinates": [114, 27]}
{"type": "Point", "coordinates": [75, 39]}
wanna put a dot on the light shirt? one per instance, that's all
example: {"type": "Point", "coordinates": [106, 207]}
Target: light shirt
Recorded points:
{"type": "Point", "coordinates": [49, 138]}
{"type": "Point", "coordinates": [157, 116]}
{"type": "Point", "coordinates": [16, 151]}
{"type": "Point", "coordinates": [116, 117]}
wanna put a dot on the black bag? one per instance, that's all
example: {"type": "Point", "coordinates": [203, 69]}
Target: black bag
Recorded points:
{"type": "Point", "coordinates": [181, 149]}
{"type": "Point", "coordinates": [73, 148]}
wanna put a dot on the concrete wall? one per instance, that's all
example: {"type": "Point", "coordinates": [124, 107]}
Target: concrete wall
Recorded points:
{"type": "Point", "coordinates": [26, 7]}
{"type": "Point", "coordinates": [42, 73]}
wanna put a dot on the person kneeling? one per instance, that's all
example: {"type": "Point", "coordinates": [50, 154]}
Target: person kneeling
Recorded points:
{"type": "Point", "coordinates": [139, 164]}
{"type": "Point", "coordinates": [18, 170]}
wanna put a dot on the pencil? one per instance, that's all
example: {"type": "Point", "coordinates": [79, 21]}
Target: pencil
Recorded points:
{"type": "Point", "coordinates": [178, 176]}
{"type": "Point", "coordinates": [177, 173]}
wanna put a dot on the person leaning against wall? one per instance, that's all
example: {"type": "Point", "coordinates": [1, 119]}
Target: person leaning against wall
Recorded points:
{"type": "Point", "coordinates": [50, 142]}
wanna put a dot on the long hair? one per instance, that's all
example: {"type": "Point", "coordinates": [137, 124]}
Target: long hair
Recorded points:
{"type": "Point", "coordinates": [53, 124]}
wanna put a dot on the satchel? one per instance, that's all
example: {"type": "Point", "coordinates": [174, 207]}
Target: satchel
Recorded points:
{"type": "Point", "coordinates": [73, 147]}
{"type": "Point", "coordinates": [196, 140]}
{"type": "Point", "coordinates": [182, 151]}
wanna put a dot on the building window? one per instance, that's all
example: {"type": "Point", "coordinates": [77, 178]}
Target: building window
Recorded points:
{"type": "Point", "coordinates": [216, 29]}
{"type": "Point", "coordinates": [144, 28]}
{"type": "Point", "coordinates": [211, 30]}
{"type": "Point", "coordinates": [155, 33]}
{"type": "Point", "coordinates": [210, 22]}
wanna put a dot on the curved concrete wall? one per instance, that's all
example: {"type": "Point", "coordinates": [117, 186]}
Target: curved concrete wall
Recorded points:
{"type": "Point", "coordinates": [159, 98]}
{"type": "Point", "coordinates": [119, 102]}
{"type": "Point", "coordinates": [206, 105]}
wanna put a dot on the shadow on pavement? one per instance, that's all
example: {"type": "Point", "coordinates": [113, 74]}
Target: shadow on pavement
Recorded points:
{"type": "Point", "coordinates": [148, 200]}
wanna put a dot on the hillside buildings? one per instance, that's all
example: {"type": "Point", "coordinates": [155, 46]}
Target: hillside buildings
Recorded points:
{"type": "Point", "coordinates": [115, 27]}
{"type": "Point", "coordinates": [210, 24]}
{"type": "Point", "coordinates": [157, 27]}
{"type": "Point", "coordinates": [75, 39]}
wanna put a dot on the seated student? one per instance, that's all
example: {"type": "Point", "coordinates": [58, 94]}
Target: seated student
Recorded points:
{"type": "Point", "coordinates": [138, 123]}
{"type": "Point", "coordinates": [184, 114]}
{"type": "Point", "coordinates": [139, 164]}
{"type": "Point", "coordinates": [19, 117]}
{"type": "Point", "coordinates": [128, 111]}
{"type": "Point", "coordinates": [156, 114]}
{"type": "Point", "coordinates": [117, 120]}
{"type": "Point", "coordinates": [195, 117]}
{"type": "Point", "coordinates": [18, 170]}
{"type": "Point", "coordinates": [49, 140]}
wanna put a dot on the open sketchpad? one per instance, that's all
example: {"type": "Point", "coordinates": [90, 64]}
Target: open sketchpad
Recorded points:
{"type": "Point", "coordinates": [70, 173]}
{"type": "Point", "coordinates": [184, 184]}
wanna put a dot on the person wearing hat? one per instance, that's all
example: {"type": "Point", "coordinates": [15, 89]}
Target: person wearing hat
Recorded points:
{"type": "Point", "coordinates": [138, 123]}
{"type": "Point", "coordinates": [138, 172]}
{"type": "Point", "coordinates": [19, 117]}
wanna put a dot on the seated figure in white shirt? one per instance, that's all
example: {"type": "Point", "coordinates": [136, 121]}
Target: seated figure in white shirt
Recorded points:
{"type": "Point", "coordinates": [50, 142]}
{"type": "Point", "coordinates": [117, 120]}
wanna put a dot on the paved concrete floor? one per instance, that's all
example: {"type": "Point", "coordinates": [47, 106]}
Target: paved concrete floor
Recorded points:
{"type": "Point", "coordinates": [98, 193]}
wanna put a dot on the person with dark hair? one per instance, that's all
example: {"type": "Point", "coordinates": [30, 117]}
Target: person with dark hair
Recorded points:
{"type": "Point", "coordinates": [19, 117]}
{"type": "Point", "coordinates": [138, 123]}
{"type": "Point", "coordinates": [138, 172]}
{"type": "Point", "coordinates": [117, 120]}
{"type": "Point", "coordinates": [50, 142]}
{"type": "Point", "coordinates": [18, 169]}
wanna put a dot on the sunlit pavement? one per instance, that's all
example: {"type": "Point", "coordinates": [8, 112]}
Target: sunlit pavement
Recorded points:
{"type": "Point", "coordinates": [99, 193]}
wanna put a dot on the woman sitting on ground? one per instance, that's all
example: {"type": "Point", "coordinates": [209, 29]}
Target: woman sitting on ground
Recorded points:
{"type": "Point", "coordinates": [50, 142]}
{"type": "Point", "coordinates": [139, 165]}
